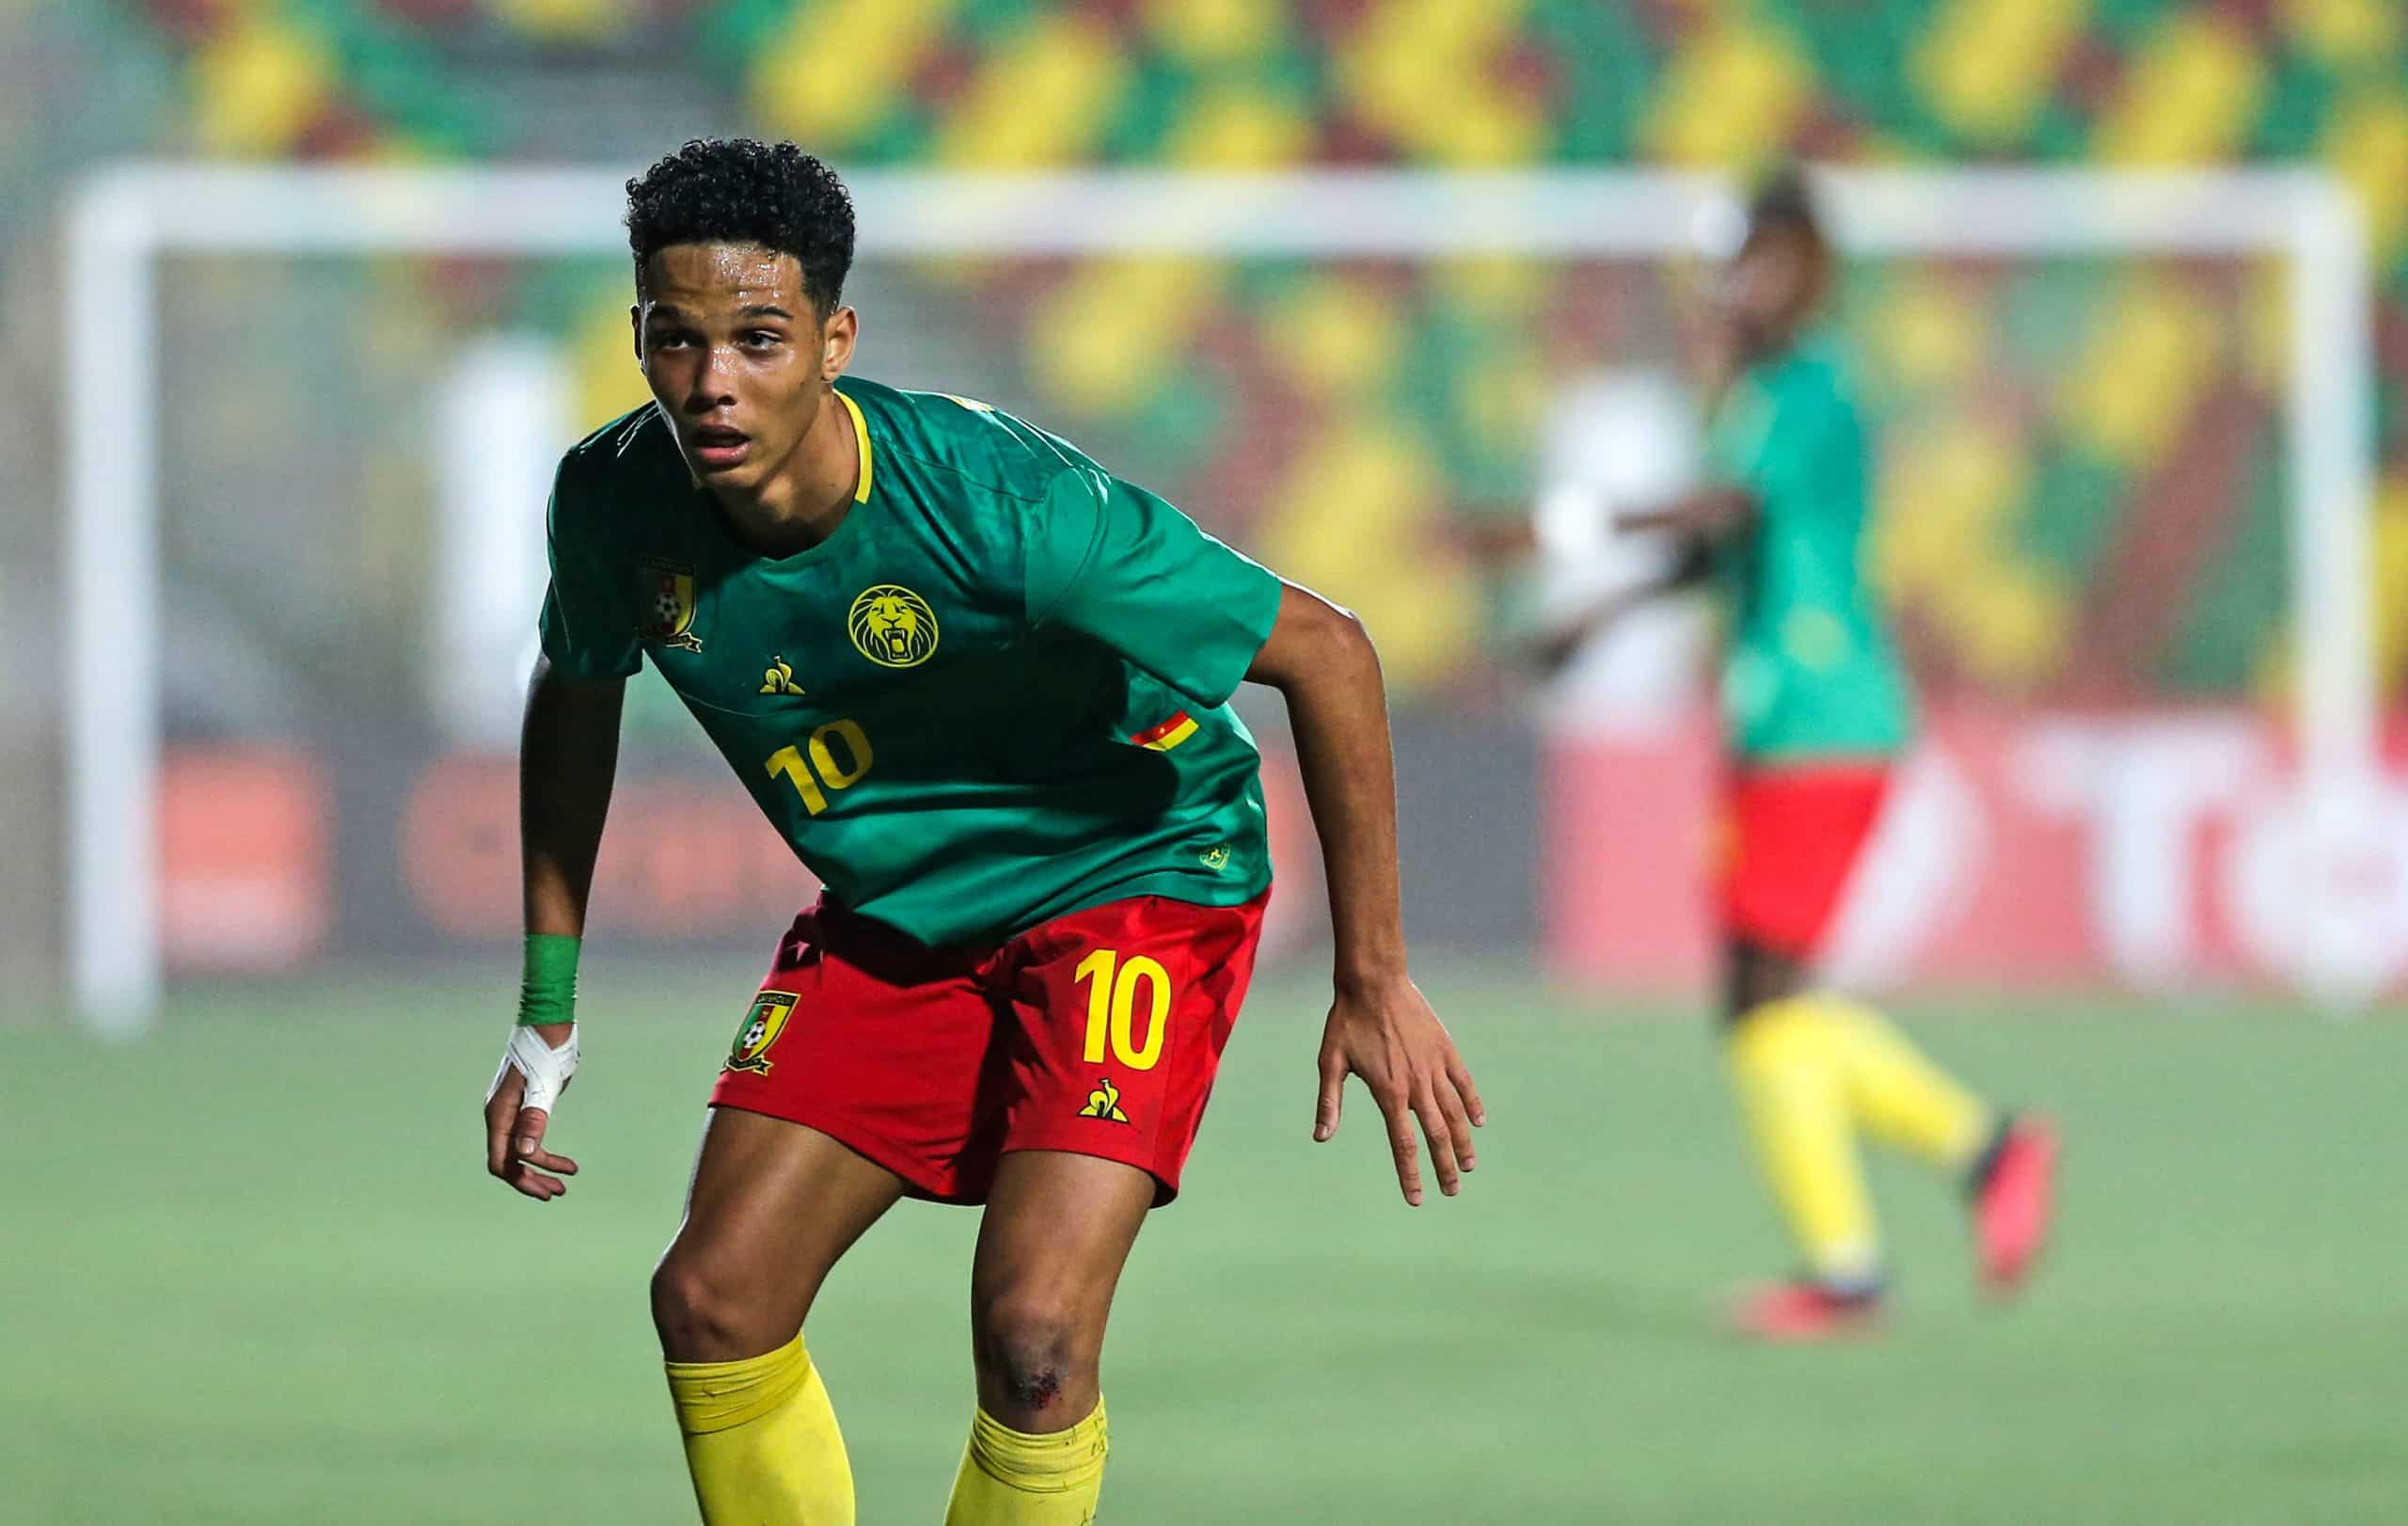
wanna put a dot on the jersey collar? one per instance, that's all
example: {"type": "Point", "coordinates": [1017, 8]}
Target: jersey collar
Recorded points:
{"type": "Point", "coordinates": [860, 434]}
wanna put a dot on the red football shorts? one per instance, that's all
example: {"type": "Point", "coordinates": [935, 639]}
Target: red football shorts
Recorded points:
{"type": "Point", "coordinates": [1791, 840]}
{"type": "Point", "coordinates": [1097, 1033]}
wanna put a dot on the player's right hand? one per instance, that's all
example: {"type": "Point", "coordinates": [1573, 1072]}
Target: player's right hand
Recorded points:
{"type": "Point", "coordinates": [1389, 1038]}
{"type": "Point", "coordinates": [536, 1070]}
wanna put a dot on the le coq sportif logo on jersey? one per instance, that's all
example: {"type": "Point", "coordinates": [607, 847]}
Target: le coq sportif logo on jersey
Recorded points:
{"type": "Point", "coordinates": [892, 627]}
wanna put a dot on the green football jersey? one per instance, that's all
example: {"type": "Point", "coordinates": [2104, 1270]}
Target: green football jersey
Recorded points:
{"type": "Point", "coordinates": [998, 693]}
{"type": "Point", "coordinates": [1810, 670]}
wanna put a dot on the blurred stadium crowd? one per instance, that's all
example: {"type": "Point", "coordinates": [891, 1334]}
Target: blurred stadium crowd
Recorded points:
{"type": "Point", "coordinates": [2080, 485]}
{"type": "Point", "coordinates": [1407, 405]}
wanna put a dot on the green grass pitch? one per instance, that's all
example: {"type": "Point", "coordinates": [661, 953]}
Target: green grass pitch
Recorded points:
{"type": "Point", "coordinates": [253, 1272]}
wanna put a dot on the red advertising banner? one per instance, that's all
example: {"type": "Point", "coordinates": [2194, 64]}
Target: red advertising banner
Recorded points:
{"type": "Point", "coordinates": [2154, 849]}
{"type": "Point", "coordinates": [245, 853]}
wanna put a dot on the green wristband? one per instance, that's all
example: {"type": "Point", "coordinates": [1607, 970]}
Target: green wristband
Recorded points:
{"type": "Point", "coordinates": [547, 989]}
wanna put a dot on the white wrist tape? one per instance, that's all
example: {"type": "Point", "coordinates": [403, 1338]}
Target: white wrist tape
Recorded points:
{"type": "Point", "coordinates": [547, 1069]}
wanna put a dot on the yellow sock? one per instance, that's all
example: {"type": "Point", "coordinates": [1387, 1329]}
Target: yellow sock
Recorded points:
{"type": "Point", "coordinates": [1786, 1068]}
{"type": "Point", "coordinates": [760, 1441]}
{"type": "Point", "coordinates": [1011, 1478]}
{"type": "Point", "coordinates": [1897, 1095]}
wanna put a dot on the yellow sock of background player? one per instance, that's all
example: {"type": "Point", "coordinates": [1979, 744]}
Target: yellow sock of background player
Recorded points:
{"type": "Point", "coordinates": [760, 1441]}
{"type": "Point", "coordinates": [1897, 1095]}
{"type": "Point", "coordinates": [1012, 1478]}
{"type": "Point", "coordinates": [1787, 1065]}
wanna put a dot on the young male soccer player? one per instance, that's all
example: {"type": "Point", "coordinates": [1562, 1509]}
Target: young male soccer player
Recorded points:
{"type": "Point", "coordinates": [1817, 710]}
{"type": "Point", "coordinates": [981, 685]}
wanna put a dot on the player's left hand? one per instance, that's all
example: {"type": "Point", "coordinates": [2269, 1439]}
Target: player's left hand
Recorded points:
{"type": "Point", "coordinates": [535, 1069]}
{"type": "Point", "coordinates": [1389, 1036]}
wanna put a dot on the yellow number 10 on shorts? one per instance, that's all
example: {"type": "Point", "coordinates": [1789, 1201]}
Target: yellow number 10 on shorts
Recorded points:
{"type": "Point", "coordinates": [1112, 1007]}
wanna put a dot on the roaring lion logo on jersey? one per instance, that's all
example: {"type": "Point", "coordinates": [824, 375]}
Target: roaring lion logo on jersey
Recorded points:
{"type": "Point", "coordinates": [893, 626]}
{"type": "Point", "coordinates": [762, 1025]}
{"type": "Point", "coordinates": [669, 605]}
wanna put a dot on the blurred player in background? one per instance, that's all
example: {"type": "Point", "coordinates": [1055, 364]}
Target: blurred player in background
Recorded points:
{"type": "Point", "coordinates": [981, 685]}
{"type": "Point", "coordinates": [1818, 710]}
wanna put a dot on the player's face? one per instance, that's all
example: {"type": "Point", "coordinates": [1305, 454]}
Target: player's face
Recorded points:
{"type": "Point", "coordinates": [736, 357]}
{"type": "Point", "coordinates": [1772, 288]}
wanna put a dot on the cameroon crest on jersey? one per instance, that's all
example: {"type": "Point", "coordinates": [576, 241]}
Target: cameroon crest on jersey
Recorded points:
{"type": "Point", "coordinates": [669, 604]}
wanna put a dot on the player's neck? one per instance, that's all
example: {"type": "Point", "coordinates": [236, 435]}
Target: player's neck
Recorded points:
{"type": "Point", "coordinates": [801, 503]}
{"type": "Point", "coordinates": [1769, 351]}
{"type": "Point", "coordinates": [1787, 336]}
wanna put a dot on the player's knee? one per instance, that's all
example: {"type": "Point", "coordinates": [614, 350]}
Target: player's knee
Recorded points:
{"type": "Point", "coordinates": [1035, 1349]}
{"type": "Point", "coordinates": [704, 1314]}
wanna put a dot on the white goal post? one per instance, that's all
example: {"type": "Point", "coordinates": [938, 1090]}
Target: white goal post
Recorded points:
{"type": "Point", "coordinates": [122, 219]}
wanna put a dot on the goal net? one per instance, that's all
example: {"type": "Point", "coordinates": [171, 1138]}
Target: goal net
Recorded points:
{"type": "Point", "coordinates": [2121, 493]}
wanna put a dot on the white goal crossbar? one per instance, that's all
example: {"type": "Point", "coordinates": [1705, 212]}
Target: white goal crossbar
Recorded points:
{"type": "Point", "coordinates": [122, 219]}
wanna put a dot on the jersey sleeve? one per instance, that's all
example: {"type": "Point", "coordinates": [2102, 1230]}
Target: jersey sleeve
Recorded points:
{"type": "Point", "coordinates": [1114, 562]}
{"type": "Point", "coordinates": [588, 632]}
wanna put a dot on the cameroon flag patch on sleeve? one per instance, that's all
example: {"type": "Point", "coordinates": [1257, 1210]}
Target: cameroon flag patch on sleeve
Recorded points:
{"type": "Point", "coordinates": [1169, 734]}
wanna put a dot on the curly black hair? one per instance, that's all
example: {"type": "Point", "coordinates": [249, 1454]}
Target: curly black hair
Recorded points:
{"type": "Point", "coordinates": [738, 190]}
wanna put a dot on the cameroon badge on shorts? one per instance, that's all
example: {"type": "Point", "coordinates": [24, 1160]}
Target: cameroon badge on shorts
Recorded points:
{"type": "Point", "coordinates": [761, 1025]}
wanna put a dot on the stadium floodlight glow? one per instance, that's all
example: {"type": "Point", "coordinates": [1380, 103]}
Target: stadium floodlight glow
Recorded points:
{"type": "Point", "coordinates": [124, 218]}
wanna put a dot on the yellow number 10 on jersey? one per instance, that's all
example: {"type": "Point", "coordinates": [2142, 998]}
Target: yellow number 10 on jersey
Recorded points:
{"type": "Point", "coordinates": [1112, 1007]}
{"type": "Point", "coordinates": [809, 776]}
